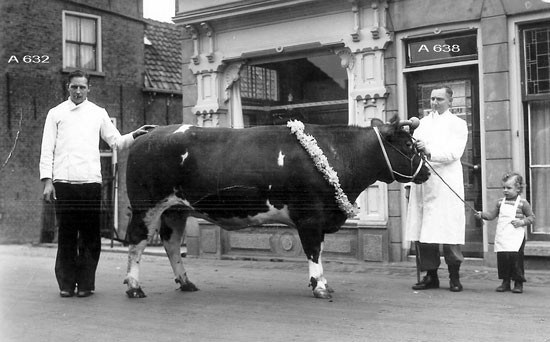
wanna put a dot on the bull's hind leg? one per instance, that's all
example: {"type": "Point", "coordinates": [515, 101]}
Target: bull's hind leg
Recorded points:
{"type": "Point", "coordinates": [137, 235]}
{"type": "Point", "coordinates": [132, 278]}
{"type": "Point", "coordinates": [171, 232]}
{"type": "Point", "coordinates": [312, 242]}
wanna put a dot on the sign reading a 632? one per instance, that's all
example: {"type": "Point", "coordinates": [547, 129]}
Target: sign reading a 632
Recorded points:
{"type": "Point", "coordinates": [29, 59]}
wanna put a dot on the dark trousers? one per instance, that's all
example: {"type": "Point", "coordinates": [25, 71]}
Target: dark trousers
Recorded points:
{"type": "Point", "coordinates": [510, 265]}
{"type": "Point", "coordinates": [430, 255]}
{"type": "Point", "coordinates": [79, 242]}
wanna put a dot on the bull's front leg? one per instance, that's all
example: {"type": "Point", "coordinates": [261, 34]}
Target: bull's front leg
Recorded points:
{"type": "Point", "coordinates": [312, 242]}
{"type": "Point", "coordinates": [132, 277]}
{"type": "Point", "coordinates": [171, 233]}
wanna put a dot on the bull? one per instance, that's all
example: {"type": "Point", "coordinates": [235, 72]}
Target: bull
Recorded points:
{"type": "Point", "coordinates": [305, 176]}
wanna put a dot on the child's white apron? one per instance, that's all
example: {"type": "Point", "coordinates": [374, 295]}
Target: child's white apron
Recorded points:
{"type": "Point", "coordinates": [508, 238]}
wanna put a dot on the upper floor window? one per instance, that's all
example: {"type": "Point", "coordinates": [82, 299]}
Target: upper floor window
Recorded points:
{"type": "Point", "coordinates": [537, 59]}
{"type": "Point", "coordinates": [81, 41]}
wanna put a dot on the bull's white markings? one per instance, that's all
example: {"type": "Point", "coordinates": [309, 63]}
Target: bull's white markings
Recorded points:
{"type": "Point", "coordinates": [281, 159]}
{"type": "Point", "coordinates": [274, 214]}
{"type": "Point", "coordinates": [134, 257]}
{"type": "Point", "coordinates": [270, 216]}
{"type": "Point", "coordinates": [182, 129]}
{"type": "Point", "coordinates": [152, 217]}
{"type": "Point", "coordinates": [316, 271]}
{"type": "Point", "coordinates": [321, 163]}
{"type": "Point", "coordinates": [183, 157]}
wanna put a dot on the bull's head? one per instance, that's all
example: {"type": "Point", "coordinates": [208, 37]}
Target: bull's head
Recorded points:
{"type": "Point", "coordinates": [403, 162]}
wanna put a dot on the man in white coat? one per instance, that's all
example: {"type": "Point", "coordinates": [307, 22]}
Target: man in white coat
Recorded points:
{"type": "Point", "coordinates": [435, 214]}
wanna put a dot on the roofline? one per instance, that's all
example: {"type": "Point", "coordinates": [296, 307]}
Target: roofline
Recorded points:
{"type": "Point", "coordinates": [163, 91]}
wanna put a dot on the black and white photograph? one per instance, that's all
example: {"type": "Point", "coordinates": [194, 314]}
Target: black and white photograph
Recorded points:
{"type": "Point", "coordinates": [275, 170]}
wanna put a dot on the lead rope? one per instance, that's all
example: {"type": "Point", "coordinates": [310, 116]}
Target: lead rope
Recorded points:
{"type": "Point", "coordinates": [447, 184]}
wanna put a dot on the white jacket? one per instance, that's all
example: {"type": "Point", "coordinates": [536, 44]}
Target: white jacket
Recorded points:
{"type": "Point", "coordinates": [435, 213]}
{"type": "Point", "coordinates": [70, 143]}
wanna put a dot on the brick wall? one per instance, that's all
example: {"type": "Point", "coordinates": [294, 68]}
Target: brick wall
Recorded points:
{"type": "Point", "coordinates": [29, 90]}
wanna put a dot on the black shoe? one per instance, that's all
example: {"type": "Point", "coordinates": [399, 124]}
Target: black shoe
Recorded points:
{"type": "Point", "coordinates": [455, 285]}
{"type": "Point", "coordinates": [428, 282]}
{"type": "Point", "coordinates": [84, 293]}
{"type": "Point", "coordinates": [518, 287]}
{"type": "Point", "coordinates": [505, 286]}
{"type": "Point", "coordinates": [66, 294]}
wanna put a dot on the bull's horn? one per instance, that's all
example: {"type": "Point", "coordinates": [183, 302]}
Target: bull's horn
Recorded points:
{"type": "Point", "coordinates": [413, 122]}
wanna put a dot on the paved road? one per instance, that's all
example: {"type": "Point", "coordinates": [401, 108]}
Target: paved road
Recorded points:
{"type": "Point", "coordinates": [263, 301]}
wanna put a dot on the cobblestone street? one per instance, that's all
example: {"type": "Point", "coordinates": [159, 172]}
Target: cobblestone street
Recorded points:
{"type": "Point", "coordinates": [243, 300]}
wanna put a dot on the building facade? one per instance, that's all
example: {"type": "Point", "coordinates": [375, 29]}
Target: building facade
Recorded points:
{"type": "Point", "coordinates": [349, 61]}
{"type": "Point", "coordinates": [42, 41]}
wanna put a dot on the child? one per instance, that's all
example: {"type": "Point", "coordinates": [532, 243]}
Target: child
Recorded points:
{"type": "Point", "coordinates": [514, 213]}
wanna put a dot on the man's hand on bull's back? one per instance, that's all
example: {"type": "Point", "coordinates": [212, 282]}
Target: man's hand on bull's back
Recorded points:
{"type": "Point", "coordinates": [143, 130]}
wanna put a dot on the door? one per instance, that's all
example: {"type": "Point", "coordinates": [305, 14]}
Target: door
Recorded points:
{"type": "Point", "coordinates": [464, 82]}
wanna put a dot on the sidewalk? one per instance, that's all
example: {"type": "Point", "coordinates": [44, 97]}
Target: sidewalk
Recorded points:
{"type": "Point", "coordinates": [470, 270]}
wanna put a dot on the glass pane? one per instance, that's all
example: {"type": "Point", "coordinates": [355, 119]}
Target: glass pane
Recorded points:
{"type": "Point", "coordinates": [71, 55]}
{"type": "Point", "coordinates": [88, 31]}
{"type": "Point", "coordinates": [87, 57]}
{"type": "Point", "coordinates": [537, 59]}
{"type": "Point", "coordinates": [540, 200]}
{"type": "Point", "coordinates": [540, 133]}
{"type": "Point", "coordinates": [539, 114]}
{"type": "Point", "coordinates": [72, 28]}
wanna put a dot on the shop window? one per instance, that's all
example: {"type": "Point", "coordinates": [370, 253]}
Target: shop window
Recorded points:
{"type": "Point", "coordinates": [537, 60]}
{"type": "Point", "coordinates": [313, 89]}
{"type": "Point", "coordinates": [81, 41]}
{"type": "Point", "coordinates": [259, 83]}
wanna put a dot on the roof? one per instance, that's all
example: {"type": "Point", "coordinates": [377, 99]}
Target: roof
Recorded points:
{"type": "Point", "coordinates": [163, 57]}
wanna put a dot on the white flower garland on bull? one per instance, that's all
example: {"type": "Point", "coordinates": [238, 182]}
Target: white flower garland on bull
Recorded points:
{"type": "Point", "coordinates": [231, 197]}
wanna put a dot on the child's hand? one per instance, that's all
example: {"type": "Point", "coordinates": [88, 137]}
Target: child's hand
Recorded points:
{"type": "Point", "coordinates": [517, 223]}
{"type": "Point", "coordinates": [478, 215]}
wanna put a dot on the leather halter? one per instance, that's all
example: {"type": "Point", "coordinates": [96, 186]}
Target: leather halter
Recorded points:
{"type": "Point", "coordinates": [388, 163]}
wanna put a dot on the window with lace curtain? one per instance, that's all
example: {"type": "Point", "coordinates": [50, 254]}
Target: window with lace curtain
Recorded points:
{"type": "Point", "coordinates": [81, 41]}
{"type": "Point", "coordinates": [536, 96]}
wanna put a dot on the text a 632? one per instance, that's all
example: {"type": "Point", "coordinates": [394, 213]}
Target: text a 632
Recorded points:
{"type": "Point", "coordinates": [30, 59]}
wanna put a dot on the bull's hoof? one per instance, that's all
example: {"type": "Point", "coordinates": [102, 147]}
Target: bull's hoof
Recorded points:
{"type": "Point", "coordinates": [136, 293]}
{"type": "Point", "coordinates": [322, 293]}
{"type": "Point", "coordinates": [187, 286]}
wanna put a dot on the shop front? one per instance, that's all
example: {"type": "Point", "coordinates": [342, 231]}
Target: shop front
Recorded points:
{"type": "Point", "coordinates": [347, 62]}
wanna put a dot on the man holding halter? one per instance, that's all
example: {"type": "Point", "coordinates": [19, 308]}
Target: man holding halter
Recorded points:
{"type": "Point", "coordinates": [435, 214]}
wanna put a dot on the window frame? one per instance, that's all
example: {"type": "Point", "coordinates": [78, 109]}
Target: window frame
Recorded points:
{"type": "Point", "coordinates": [98, 45]}
{"type": "Point", "coordinates": [523, 62]}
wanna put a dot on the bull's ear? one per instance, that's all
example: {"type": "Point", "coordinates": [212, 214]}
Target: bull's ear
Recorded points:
{"type": "Point", "coordinates": [376, 122]}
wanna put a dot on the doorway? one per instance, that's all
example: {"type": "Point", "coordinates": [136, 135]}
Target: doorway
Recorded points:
{"type": "Point", "coordinates": [464, 82]}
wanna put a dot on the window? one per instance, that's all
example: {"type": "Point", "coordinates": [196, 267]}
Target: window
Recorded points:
{"type": "Point", "coordinates": [259, 83]}
{"type": "Point", "coordinates": [81, 41]}
{"type": "Point", "coordinates": [537, 60]}
{"type": "Point", "coordinates": [312, 88]}
{"type": "Point", "coordinates": [536, 96]}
